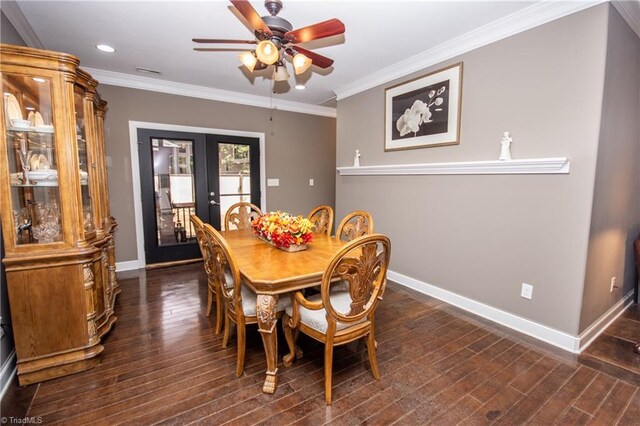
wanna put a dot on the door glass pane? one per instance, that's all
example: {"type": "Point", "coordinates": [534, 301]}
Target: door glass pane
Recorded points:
{"type": "Point", "coordinates": [174, 190]}
{"type": "Point", "coordinates": [83, 160]}
{"type": "Point", "coordinates": [33, 166]}
{"type": "Point", "coordinates": [235, 175]}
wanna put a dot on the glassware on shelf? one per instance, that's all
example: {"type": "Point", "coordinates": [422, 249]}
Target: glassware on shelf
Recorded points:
{"type": "Point", "coordinates": [46, 232]}
{"type": "Point", "coordinates": [87, 217]}
{"type": "Point", "coordinates": [48, 218]}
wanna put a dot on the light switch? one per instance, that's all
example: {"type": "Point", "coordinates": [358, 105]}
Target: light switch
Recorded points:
{"type": "Point", "coordinates": [273, 182]}
{"type": "Point", "coordinates": [310, 182]}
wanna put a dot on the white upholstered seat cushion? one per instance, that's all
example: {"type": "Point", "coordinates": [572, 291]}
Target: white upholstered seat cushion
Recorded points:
{"type": "Point", "coordinates": [228, 278]}
{"type": "Point", "coordinates": [341, 302]}
{"type": "Point", "coordinates": [249, 299]}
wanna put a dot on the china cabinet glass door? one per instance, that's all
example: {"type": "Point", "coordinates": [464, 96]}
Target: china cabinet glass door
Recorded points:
{"type": "Point", "coordinates": [83, 160]}
{"type": "Point", "coordinates": [32, 154]}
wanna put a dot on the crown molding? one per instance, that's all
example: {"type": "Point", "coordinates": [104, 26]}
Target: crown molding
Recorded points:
{"type": "Point", "coordinates": [191, 90]}
{"type": "Point", "coordinates": [14, 14]}
{"type": "Point", "coordinates": [630, 12]}
{"type": "Point", "coordinates": [525, 19]}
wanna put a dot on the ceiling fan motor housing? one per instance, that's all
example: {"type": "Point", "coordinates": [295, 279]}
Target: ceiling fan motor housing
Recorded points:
{"type": "Point", "coordinates": [278, 26]}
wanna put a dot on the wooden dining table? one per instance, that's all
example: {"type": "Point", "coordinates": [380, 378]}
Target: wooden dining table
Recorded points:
{"type": "Point", "coordinates": [274, 273]}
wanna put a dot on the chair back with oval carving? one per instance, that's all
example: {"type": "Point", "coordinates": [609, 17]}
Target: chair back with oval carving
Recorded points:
{"type": "Point", "coordinates": [322, 219]}
{"type": "Point", "coordinates": [363, 263]}
{"type": "Point", "coordinates": [203, 242]}
{"type": "Point", "coordinates": [224, 269]}
{"type": "Point", "coordinates": [354, 225]}
{"type": "Point", "coordinates": [240, 215]}
{"type": "Point", "coordinates": [198, 225]}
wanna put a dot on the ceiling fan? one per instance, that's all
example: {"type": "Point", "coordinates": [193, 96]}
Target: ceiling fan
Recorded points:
{"type": "Point", "coordinates": [275, 38]}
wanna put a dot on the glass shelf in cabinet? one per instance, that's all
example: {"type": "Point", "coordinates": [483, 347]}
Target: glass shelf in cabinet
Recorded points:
{"type": "Point", "coordinates": [32, 130]}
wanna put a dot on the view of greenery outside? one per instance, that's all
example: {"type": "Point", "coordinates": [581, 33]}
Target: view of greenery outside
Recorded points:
{"type": "Point", "coordinates": [234, 158]}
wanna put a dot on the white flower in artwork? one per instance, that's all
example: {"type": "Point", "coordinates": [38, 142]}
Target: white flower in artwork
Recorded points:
{"type": "Point", "coordinates": [419, 113]}
{"type": "Point", "coordinates": [421, 109]}
{"type": "Point", "coordinates": [408, 122]}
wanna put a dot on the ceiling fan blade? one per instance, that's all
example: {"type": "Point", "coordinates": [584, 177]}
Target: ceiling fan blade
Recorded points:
{"type": "Point", "coordinates": [250, 14]}
{"type": "Point", "coordinates": [218, 49]}
{"type": "Point", "coordinates": [316, 59]}
{"type": "Point", "coordinates": [219, 40]}
{"type": "Point", "coordinates": [313, 32]}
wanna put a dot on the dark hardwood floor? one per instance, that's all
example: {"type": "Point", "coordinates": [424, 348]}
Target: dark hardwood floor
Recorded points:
{"type": "Point", "coordinates": [613, 352]}
{"type": "Point", "coordinates": [439, 365]}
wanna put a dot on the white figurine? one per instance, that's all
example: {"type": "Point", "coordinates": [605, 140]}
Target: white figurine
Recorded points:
{"type": "Point", "coordinates": [356, 159]}
{"type": "Point", "coordinates": [505, 152]}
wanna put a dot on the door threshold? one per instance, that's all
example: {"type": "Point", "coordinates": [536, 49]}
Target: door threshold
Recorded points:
{"type": "Point", "coordinates": [174, 263]}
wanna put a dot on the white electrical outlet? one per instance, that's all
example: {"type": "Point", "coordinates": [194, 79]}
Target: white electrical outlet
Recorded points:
{"type": "Point", "coordinates": [613, 284]}
{"type": "Point", "coordinates": [527, 291]}
{"type": "Point", "coordinates": [273, 182]}
{"type": "Point", "coordinates": [311, 183]}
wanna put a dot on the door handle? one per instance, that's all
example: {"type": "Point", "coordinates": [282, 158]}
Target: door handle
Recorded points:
{"type": "Point", "coordinates": [213, 202]}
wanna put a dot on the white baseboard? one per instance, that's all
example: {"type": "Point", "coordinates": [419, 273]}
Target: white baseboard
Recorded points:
{"type": "Point", "coordinates": [8, 372]}
{"type": "Point", "coordinates": [594, 330]}
{"type": "Point", "coordinates": [128, 266]}
{"type": "Point", "coordinates": [554, 337]}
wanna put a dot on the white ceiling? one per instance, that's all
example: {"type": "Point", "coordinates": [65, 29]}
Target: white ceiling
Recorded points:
{"type": "Point", "coordinates": [157, 35]}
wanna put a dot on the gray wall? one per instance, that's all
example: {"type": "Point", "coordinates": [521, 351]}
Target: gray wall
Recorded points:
{"type": "Point", "coordinates": [298, 147]}
{"type": "Point", "coordinates": [8, 35]}
{"type": "Point", "coordinates": [483, 236]}
{"type": "Point", "coordinates": [615, 217]}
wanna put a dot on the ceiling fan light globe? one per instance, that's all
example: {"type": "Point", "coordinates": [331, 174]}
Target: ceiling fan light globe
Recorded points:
{"type": "Point", "coordinates": [267, 52]}
{"type": "Point", "coordinates": [281, 73]}
{"type": "Point", "coordinates": [301, 63]}
{"type": "Point", "coordinates": [248, 60]}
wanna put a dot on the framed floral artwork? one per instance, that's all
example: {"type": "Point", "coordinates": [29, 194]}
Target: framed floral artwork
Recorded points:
{"type": "Point", "coordinates": [424, 112]}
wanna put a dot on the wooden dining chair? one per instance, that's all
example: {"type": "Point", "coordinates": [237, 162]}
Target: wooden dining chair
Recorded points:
{"type": "Point", "coordinates": [205, 250]}
{"type": "Point", "coordinates": [240, 215]}
{"type": "Point", "coordinates": [239, 300]}
{"type": "Point", "coordinates": [337, 318]}
{"type": "Point", "coordinates": [354, 225]}
{"type": "Point", "coordinates": [322, 219]}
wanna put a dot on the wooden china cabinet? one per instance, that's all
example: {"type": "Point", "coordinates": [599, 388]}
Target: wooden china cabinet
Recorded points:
{"type": "Point", "coordinates": [57, 230]}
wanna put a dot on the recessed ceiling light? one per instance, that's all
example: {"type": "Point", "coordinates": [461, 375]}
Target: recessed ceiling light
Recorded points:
{"type": "Point", "coordinates": [105, 48]}
{"type": "Point", "coordinates": [39, 80]}
{"type": "Point", "coordinates": [300, 86]}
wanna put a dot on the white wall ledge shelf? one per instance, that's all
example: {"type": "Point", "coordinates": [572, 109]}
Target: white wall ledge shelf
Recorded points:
{"type": "Point", "coordinates": [557, 165]}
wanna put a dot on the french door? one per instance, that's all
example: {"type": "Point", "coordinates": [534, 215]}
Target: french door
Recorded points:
{"type": "Point", "coordinates": [183, 173]}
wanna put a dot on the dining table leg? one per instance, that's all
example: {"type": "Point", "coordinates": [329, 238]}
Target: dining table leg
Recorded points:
{"type": "Point", "coordinates": [266, 312]}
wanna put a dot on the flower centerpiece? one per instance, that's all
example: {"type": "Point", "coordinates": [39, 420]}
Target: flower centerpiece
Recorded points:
{"type": "Point", "coordinates": [286, 232]}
